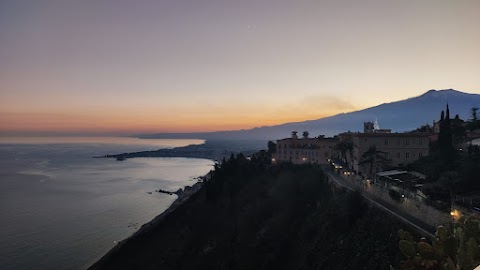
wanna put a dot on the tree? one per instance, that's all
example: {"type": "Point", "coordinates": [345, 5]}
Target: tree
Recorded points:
{"type": "Point", "coordinates": [424, 128]}
{"type": "Point", "coordinates": [343, 147]}
{"type": "Point", "coordinates": [445, 137]}
{"type": "Point", "coordinates": [450, 180]}
{"type": "Point", "coordinates": [459, 132]}
{"type": "Point", "coordinates": [474, 114]}
{"type": "Point", "coordinates": [305, 134]}
{"type": "Point", "coordinates": [374, 158]}
{"type": "Point", "coordinates": [294, 134]}
{"type": "Point", "coordinates": [474, 122]}
{"type": "Point", "coordinates": [272, 147]}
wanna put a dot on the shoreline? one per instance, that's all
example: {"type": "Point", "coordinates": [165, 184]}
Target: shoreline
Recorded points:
{"type": "Point", "coordinates": [182, 197]}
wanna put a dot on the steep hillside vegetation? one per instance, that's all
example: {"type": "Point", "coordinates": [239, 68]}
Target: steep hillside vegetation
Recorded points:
{"type": "Point", "coordinates": [251, 215]}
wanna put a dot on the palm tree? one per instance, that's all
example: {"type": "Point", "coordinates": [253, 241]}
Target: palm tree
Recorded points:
{"type": "Point", "coordinates": [305, 134]}
{"type": "Point", "coordinates": [374, 158]}
{"type": "Point", "coordinates": [343, 147]}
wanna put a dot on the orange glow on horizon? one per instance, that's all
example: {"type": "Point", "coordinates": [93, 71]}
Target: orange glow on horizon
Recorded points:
{"type": "Point", "coordinates": [145, 122]}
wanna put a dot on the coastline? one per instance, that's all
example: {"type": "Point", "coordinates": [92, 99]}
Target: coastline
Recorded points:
{"type": "Point", "coordinates": [182, 197]}
{"type": "Point", "coordinates": [214, 150]}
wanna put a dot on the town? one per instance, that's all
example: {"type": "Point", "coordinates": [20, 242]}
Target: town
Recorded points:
{"type": "Point", "coordinates": [430, 173]}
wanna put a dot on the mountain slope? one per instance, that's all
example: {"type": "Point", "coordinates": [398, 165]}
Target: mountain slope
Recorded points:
{"type": "Point", "coordinates": [403, 115]}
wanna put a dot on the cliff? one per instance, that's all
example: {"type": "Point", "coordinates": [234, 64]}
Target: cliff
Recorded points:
{"type": "Point", "coordinates": [251, 215]}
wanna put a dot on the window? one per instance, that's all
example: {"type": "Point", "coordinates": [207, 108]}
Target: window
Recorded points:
{"type": "Point", "coordinates": [398, 155]}
{"type": "Point", "coordinates": [407, 155]}
{"type": "Point", "coordinates": [420, 141]}
{"type": "Point", "coordinates": [398, 141]}
{"type": "Point", "coordinates": [386, 141]}
{"type": "Point", "coordinates": [407, 142]}
{"type": "Point", "coordinates": [420, 154]}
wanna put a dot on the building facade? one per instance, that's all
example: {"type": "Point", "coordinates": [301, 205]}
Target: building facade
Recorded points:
{"type": "Point", "coordinates": [304, 150]}
{"type": "Point", "coordinates": [397, 148]}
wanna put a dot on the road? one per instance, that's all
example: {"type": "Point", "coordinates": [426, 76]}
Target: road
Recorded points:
{"type": "Point", "coordinates": [423, 228]}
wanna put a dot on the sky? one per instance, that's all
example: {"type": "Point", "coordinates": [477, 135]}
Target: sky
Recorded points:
{"type": "Point", "coordinates": [129, 67]}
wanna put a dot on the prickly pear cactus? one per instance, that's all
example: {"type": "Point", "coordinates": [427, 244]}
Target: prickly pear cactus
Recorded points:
{"type": "Point", "coordinates": [454, 248]}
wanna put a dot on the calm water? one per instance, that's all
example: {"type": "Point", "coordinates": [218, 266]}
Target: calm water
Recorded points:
{"type": "Point", "coordinates": [62, 209]}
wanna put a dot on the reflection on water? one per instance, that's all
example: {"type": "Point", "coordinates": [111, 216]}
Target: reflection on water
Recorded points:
{"type": "Point", "coordinates": [161, 143]}
{"type": "Point", "coordinates": [62, 209]}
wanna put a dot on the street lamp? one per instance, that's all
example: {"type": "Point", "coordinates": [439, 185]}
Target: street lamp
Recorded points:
{"type": "Point", "coordinates": [455, 214]}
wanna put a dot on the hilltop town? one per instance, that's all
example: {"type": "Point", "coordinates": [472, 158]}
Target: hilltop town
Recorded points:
{"type": "Point", "coordinates": [434, 164]}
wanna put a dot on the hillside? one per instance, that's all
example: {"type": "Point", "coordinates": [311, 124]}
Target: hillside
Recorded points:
{"type": "Point", "coordinates": [253, 216]}
{"type": "Point", "coordinates": [403, 115]}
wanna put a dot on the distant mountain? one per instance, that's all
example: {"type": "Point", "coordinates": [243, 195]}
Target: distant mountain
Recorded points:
{"type": "Point", "coordinates": [403, 115]}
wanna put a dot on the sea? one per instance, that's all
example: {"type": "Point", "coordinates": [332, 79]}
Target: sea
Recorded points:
{"type": "Point", "coordinates": [62, 209]}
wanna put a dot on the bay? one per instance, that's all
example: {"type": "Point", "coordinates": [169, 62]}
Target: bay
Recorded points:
{"type": "Point", "coordinates": [62, 209]}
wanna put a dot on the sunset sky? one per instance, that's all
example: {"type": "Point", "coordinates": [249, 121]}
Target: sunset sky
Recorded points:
{"type": "Point", "coordinates": [128, 67]}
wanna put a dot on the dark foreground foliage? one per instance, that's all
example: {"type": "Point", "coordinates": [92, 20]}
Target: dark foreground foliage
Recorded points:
{"type": "Point", "coordinates": [251, 215]}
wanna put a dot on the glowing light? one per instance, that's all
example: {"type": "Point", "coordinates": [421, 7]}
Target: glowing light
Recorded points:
{"type": "Point", "coordinates": [455, 214]}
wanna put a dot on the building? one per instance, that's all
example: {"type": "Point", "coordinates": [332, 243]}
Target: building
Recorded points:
{"type": "Point", "coordinates": [304, 150]}
{"type": "Point", "coordinates": [368, 127]}
{"type": "Point", "coordinates": [397, 148]}
{"type": "Point", "coordinates": [374, 127]}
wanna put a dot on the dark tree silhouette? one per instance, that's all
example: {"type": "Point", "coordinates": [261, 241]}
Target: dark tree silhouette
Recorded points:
{"type": "Point", "coordinates": [272, 147]}
{"type": "Point", "coordinates": [474, 122]}
{"type": "Point", "coordinates": [343, 147]}
{"type": "Point", "coordinates": [374, 158]}
{"type": "Point", "coordinates": [445, 137]}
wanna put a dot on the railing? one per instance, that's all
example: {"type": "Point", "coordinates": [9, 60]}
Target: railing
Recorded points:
{"type": "Point", "coordinates": [408, 203]}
